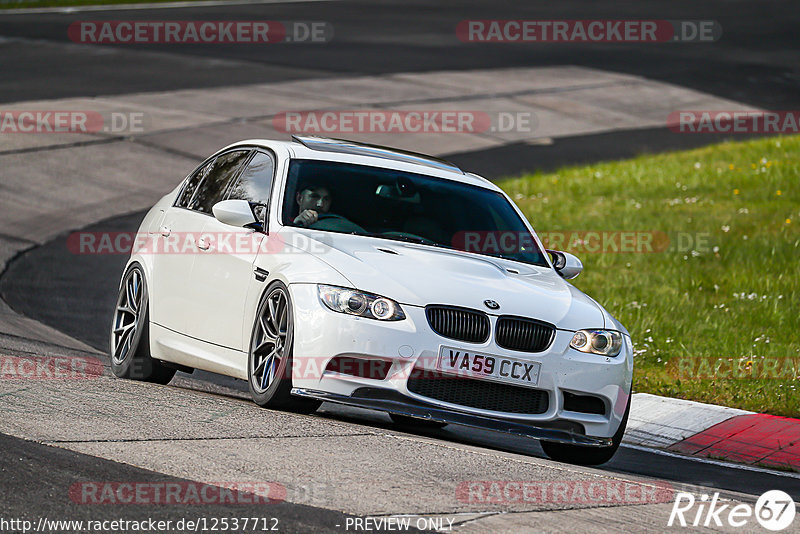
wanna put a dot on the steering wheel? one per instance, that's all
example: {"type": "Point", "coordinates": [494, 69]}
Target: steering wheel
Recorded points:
{"type": "Point", "coordinates": [337, 223]}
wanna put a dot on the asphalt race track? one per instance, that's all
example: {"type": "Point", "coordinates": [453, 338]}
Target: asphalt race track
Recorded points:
{"type": "Point", "coordinates": [337, 464]}
{"type": "Point", "coordinates": [755, 62]}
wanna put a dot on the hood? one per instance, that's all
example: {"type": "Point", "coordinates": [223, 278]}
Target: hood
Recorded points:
{"type": "Point", "coordinates": [419, 275]}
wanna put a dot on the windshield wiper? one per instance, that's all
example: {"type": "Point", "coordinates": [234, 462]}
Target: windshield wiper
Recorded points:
{"type": "Point", "coordinates": [408, 239]}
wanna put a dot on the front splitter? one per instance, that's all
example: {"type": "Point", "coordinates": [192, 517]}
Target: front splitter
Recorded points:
{"type": "Point", "coordinates": [433, 413]}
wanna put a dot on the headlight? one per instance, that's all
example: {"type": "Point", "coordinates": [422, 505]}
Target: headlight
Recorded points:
{"type": "Point", "coordinates": [353, 302]}
{"type": "Point", "coordinates": [603, 342]}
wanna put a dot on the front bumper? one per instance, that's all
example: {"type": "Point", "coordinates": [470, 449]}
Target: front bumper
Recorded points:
{"type": "Point", "coordinates": [321, 334]}
{"type": "Point", "coordinates": [372, 400]}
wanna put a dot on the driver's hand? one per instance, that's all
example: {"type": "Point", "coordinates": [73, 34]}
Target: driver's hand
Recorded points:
{"type": "Point", "coordinates": [306, 218]}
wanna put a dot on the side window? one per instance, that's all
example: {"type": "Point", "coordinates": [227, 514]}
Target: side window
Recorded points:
{"type": "Point", "coordinates": [191, 185]}
{"type": "Point", "coordinates": [255, 182]}
{"type": "Point", "coordinates": [213, 187]}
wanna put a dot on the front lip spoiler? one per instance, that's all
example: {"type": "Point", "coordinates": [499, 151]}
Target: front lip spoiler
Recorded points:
{"type": "Point", "coordinates": [432, 413]}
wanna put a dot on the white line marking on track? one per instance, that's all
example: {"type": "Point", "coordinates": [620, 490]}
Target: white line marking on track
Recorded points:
{"type": "Point", "coordinates": [160, 5]}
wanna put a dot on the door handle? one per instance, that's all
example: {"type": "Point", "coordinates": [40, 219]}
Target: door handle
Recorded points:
{"type": "Point", "coordinates": [203, 243]}
{"type": "Point", "coordinates": [165, 231]}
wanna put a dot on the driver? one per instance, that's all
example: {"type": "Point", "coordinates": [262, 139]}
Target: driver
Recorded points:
{"type": "Point", "coordinates": [312, 201]}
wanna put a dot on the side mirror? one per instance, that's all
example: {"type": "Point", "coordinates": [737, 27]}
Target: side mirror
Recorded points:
{"type": "Point", "coordinates": [566, 264]}
{"type": "Point", "coordinates": [234, 212]}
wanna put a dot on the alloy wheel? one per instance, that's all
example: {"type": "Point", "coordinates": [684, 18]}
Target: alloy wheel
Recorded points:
{"type": "Point", "coordinates": [126, 316]}
{"type": "Point", "coordinates": [269, 342]}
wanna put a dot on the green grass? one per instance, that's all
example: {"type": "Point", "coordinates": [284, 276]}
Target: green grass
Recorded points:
{"type": "Point", "coordinates": [735, 296]}
{"type": "Point", "coordinates": [14, 4]}
{"type": "Point", "coordinates": [785, 468]}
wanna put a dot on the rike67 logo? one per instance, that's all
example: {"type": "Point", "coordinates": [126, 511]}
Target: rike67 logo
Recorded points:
{"type": "Point", "coordinates": [774, 510]}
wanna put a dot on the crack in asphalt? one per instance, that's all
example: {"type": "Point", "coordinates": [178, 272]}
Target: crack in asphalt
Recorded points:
{"type": "Point", "coordinates": [214, 438]}
{"type": "Point", "coordinates": [32, 340]}
{"type": "Point", "coordinates": [76, 144]}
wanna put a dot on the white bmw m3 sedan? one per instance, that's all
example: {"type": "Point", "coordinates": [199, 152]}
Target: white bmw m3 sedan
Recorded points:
{"type": "Point", "coordinates": [328, 270]}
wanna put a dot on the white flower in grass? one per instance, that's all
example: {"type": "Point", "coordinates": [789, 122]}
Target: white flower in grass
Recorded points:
{"type": "Point", "coordinates": [726, 228]}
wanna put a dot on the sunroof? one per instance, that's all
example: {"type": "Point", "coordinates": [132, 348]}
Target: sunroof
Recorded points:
{"type": "Point", "coordinates": [326, 144]}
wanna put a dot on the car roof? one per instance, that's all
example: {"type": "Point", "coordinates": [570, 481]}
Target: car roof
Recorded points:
{"type": "Point", "coordinates": [342, 146]}
{"type": "Point", "coordinates": [339, 150]}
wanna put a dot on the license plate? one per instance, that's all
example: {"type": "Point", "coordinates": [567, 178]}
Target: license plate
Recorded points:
{"type": "Point", "coordinates": [475, 364]}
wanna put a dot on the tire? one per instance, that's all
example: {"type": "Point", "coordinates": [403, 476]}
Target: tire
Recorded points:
{"type": "Point", "coordinates": [582, 455]}
{"type": "Point", "coordinates": [129, 343]}
{"type": "Point", "coordinates": [412, 423]}
{"type": "Point", "coordinates": [269, 360]}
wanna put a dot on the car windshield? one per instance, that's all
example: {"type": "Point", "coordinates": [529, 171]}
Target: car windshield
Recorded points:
{"type": "Point", "coordinates": [402, 206]}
